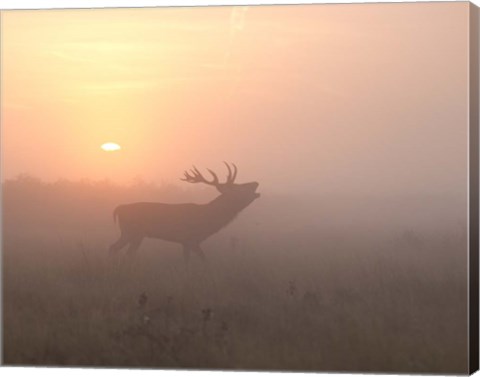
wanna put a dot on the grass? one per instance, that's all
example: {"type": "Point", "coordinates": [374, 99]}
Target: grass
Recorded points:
{"type": "Point", "coordinates": [310, 302]}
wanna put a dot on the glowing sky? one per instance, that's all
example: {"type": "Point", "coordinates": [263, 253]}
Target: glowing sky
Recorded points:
{"type": "Point", "coordinates": [337, 97]}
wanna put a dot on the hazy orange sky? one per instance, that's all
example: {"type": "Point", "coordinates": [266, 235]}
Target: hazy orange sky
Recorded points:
{"type": "Point", "coordinates": [362, 98]}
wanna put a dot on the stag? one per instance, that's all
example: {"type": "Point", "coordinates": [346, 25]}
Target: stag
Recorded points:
{"type": "Point", "coordinates": [188, 224]}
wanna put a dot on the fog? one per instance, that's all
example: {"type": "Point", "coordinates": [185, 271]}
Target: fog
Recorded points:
{"type": "Point", "coordinates": [352, 119]}
{"type": "Point", "coordinates": [368, 99]}
{"type": "Point", "coordinates": [350, 283]}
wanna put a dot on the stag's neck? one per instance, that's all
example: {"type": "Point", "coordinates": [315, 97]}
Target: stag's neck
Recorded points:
{"type": "Point", "coordinates": [224, 209]}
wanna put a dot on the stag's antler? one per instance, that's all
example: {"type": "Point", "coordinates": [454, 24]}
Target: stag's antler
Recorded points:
{"type": "Point", "coordinates": [231, 176]}
{"type": "Point", "coordinates": [194, 176]}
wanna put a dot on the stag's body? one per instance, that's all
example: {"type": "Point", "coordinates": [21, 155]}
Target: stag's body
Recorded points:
{"type": "Point", "coordinates": [188, 224]}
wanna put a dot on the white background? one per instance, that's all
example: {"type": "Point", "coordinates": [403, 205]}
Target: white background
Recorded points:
{"type": "Point", "coordinates": [37, 4]}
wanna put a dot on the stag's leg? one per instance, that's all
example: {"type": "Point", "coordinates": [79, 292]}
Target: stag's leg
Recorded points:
{"type": "Point", "coordinates": [134, 245]}
{"type": "Point", "coordinates": [119, 244]}
{"type": "Point", "coordinates": [198, 250]}
{"type": "Point", "coordinates": [186, 254]}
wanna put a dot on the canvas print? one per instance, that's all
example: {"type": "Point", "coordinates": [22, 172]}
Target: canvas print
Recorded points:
{"type": "Point", "coordinates": [276, 188]}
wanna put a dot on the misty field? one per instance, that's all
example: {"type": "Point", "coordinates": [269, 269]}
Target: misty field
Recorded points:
{"type": "Point", "coordinates": [284, 287]}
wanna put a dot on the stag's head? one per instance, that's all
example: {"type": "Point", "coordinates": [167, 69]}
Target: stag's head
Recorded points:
{"type": "Point", "coordinates": [243, 193]}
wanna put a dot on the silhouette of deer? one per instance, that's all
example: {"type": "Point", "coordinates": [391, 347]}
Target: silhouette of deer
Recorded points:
{"type": "Point", "coordinates": [187, 223]}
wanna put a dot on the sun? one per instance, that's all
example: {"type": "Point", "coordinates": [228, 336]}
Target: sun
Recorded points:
{"type": "Point", "coordinates": [110, 147]}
